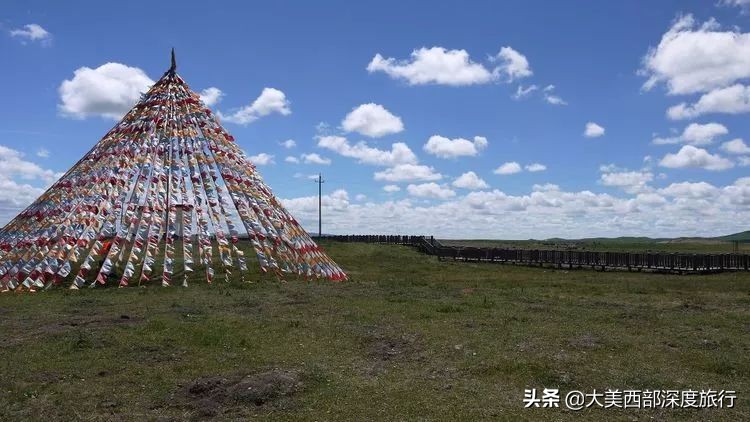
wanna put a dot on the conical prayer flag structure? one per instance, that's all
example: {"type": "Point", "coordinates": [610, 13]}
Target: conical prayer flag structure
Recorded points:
{"type": "Point", "coordinates": [166, 186]}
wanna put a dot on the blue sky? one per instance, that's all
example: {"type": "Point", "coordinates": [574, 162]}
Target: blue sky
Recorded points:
{"type": "Point", "coordinates": [451, 71]}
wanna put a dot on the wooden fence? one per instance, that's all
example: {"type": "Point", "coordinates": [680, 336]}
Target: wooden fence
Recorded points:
{"type": "Point", "coordinates": [638, 261]}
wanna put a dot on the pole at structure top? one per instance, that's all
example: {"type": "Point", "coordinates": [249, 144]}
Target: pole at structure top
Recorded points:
{"type": "Point", "coordinates": [173, 68]}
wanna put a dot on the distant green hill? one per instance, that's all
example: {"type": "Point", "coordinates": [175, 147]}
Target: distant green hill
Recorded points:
{"type": "Point", "coordinates": [625, 239]}
{"type": "Point", "coordinates": [741, 236]}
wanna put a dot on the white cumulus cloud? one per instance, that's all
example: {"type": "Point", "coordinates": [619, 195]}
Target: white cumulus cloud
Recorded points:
{"type": "Point", "coordinates": [742, 4]}
{"type": "Point", "coordinates": [695, 134]}
{"type": "Point", "coordinates": [315, 159]}
{"type": "Point", "coordinates": [735, 146]}
{"type": "Point", "coordinates": [430, 190]}
{"type": "Point", "coordinates": [372, 120]}
{"type": "Point", "coordinates": [693, 58]}
{"type": "Point", "coordinates": [288, 144]}
{"type": "Point", "coordinates": [408, 172]}
{"type": "Point", "coordinates": [649, 199]}
{"type": "Point", "coordinates": [32, 32]}
{"type": "Point", "coordinates": [15, 196]}
{"type": "Point", "coordinates": [211, 96]}
{"type": "Point", "coordinates": [692, 157]}
{"type": "Point", "coordinates": [535, 167]}
{"type": "Point", "coordinates": [733, 99]}
{"type": "Point", "coordinates": [690, 190]}
{"type": "Point", "coordinates": [513, 65]}
{"type": "Point", "coordinates": [593, 130]}
{"type": "Point", "coordinates": [400, 153]}
{"type": "Point", "coordinates": [511, 167]}
{"type": "Point", "coordinates": [629, 181]}
{"type": "Point", "coordinates": [110, 91]}
{"type": "Point", "coordinates": [14, 165]}
{"type": "Point", "coordinates": [261, 159]}
{"type": "Point", "coordinates": [435, 65]}
{"type": "Point", "coordinates": [443, 147]}
{"type": "Point", "coordinates": [336, 201]}
{"type": "Point", "coordinates": [270, 101]}
{"type": "Point", "coordinates": [391, 188]}
{"type": "Point", "coordinates": [471, 181]}
{"type": "Point", "coordinates": [705, 59]}
{"type": "Point", "coordinates": [21, 182]}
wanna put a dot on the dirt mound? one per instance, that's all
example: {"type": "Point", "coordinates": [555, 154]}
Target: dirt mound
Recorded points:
{"type": "Point", "coordinates": [389, 348]}
{"type": "Point", "coordinates": [385, 343]}
{"type": "Point", "coordinates": [211, 395]}
{"type": "Point", "coordinates": [265, 387]}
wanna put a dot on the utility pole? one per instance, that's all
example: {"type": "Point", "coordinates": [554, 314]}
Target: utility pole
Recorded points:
{"type": "Point", "coordinates": [320, 182]}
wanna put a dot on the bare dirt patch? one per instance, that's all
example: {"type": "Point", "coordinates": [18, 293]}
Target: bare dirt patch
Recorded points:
{"type": "Point", "coordinates": [387, 348]}
{"type": "Point", "coordinates": [216, 395]}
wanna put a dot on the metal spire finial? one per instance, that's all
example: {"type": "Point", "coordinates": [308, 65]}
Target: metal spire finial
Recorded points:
{"type": "Point", "coordinates": [174, 63]}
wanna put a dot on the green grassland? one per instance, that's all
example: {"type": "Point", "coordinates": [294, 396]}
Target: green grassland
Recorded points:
{"type": "Point", "coordinates": [408, 338]}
